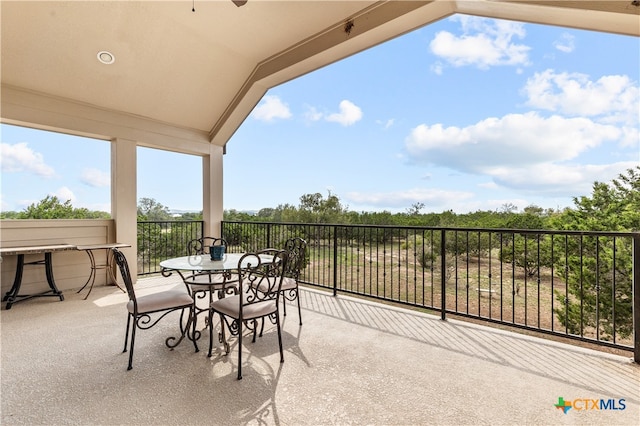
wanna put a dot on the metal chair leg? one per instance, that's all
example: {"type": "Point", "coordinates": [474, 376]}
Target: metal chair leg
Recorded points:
{"type": "Point", "coordinates": [211, 331]}
{"type": "Point", "coordinates": [240, 350]}
{"type": "Point", "coordinates": [279, 337]}
{"type": "Point", "coordinates": [133, 339]}
{"type": "Point", "coordinates": [299, 310]}
{"type": "Point", "coordinates": [126, 336]}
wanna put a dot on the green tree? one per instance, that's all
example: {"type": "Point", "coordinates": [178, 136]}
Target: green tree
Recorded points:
{"type": "Point", "coordinates": [266, 213]}
{"type": "Point", "coordinates": [316, 209]}
{"type": "Point", "coordinates": [9, 215]}
{"type": "Point", "coordinates": [591, 264]}
{"type": "Point", "coordinates": [52, 208]}
{"type": "Point", "coordinates": [285, 213]}
{"type": "Point", "coordinates": [154, 239]}
{"type": "Point", "coordinates": [415, 208]}
{"type": "Point", "coordinates": [191, 216]}
{"type": "Point", "coordinates": [151, 210]}
{"type": "Point", "coordinates": [528, 251]}
{"type": "Point", "coordinates": [234, 215]}
{"type": "Point", "coordinates": [508, 208]}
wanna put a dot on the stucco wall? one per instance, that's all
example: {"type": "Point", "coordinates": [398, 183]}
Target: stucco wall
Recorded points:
{"type": "Point", "coordinates": [71, 268]}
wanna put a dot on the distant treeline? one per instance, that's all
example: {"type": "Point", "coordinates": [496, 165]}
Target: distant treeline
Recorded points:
{"type": "Point", "coordinates": [51, 207]}
{"type": "Point", "coordinates": [613, 206]}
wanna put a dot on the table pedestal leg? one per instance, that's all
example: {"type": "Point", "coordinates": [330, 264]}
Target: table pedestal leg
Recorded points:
{"type": "Point", "coordinates": [94, 267]}
{"type": "Point", "coordinates": [13, 295]}
{"type": "Point", "coordinates": [10, 297]}
{"type": "Point", "coordinates": [92, 274]}
{"type": "Point", "coordinates": [48, 265]}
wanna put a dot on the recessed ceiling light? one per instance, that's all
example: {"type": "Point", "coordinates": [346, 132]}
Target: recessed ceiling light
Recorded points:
{"type": "Point", "coordinates": [106, 57]}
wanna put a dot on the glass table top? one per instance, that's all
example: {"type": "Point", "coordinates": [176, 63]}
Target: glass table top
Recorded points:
{"type": "Point", "coordinates": [204, 262]}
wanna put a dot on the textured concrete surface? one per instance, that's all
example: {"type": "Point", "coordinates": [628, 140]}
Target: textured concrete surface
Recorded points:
{"type": "Point", "coordinates": [353, 362]}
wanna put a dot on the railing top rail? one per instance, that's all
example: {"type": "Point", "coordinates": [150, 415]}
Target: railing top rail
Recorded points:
{"type": "Point", "coordinates": [635, 234]}
{"type": "Point", "coordinates": [171, 221]}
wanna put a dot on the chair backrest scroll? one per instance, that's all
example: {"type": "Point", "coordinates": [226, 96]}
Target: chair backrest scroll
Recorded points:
{"type": "Point", "coordinates": [122, 263]}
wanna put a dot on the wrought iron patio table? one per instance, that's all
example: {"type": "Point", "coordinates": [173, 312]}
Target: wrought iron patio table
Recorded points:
{"type": "Point", "coordinates": [201, 263]}
{"type": "Point", "coordinates": [13, 295]}
{"type": "Point", "coordinates": [108, 265]}
{"type": "Point", "coordinates": [204, 264]}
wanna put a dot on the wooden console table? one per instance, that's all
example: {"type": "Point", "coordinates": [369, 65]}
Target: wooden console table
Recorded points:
{"type": "Point", "coordinates": [13, 295]}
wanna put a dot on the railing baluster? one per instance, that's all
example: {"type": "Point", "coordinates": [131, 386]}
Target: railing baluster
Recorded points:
{"type": "Point", "coordinates": [580, 259]}
{"type": "Point", "coordinates": [335, 261]}
{"type": "Point", "coordinates": [635, 289]}
{"type": "Point", "coordinates": [443, 278]}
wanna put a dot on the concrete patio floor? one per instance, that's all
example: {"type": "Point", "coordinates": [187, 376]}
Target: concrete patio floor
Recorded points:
{"type": "Point", "coordinates": [353, 362]}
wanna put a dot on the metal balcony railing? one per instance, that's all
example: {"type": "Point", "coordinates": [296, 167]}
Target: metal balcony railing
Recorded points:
{"type": "Point", "coordinates": [159, 240]}
{"type": "Point", "coordinates": [574, 284]}
{"type": "Point", "coordinates": [578, 285]}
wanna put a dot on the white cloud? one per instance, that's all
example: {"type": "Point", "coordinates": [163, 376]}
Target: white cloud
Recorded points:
{"type": "Point", "coordinates": [515, 140]}
{"type": "Point", "coordinates": [524, 152]}
{"type": "Point", "coordinates": [349, 114]}
{"type": "Point", "coordinates": [488, 185]}
{"type": "Point", "coordinates": [102, 207]}
{"type": "Point", "coordinates": [538, 155]}
{"type": "Point", "coordinates": [484, 43]}
{"type": "Point", "coordinates": [612, 98]}
{"type": "Point", "coordinates": [430, 197]}
{"type": "Point", "coordinates": [4, 206]}
{"type": "Point", "coordinates": [434, 200]}
{"type": "Point", "coordinates": [498, 204]}
{"type": "Point", "coordinates": [559, 179]}
{"type": "Point", "coordinates": [386, 124]}
{"type": "Point", "coordinates": [24, 203]}
{"type": "Point", "coordinates": [313, 114]}
{"type": "Point", "coordinates": [437, 68]}
{"type": "Point", "coordinates": [270, 109]}
{"type": "Point", "coordinates": [566, 43]}
{"type": "Point", "coordinates": [20, 158]}
{"type": "Point", "coordinates": [63, 193]}
{"type": "Point", "coordinates": [95, 178]}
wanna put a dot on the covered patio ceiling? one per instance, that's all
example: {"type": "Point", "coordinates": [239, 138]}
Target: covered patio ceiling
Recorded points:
{"type": "Point", "coordinates": [203, 71]}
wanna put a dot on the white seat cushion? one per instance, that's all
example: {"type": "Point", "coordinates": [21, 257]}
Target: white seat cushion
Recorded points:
{"type": "Point", "coordinates": [288, 283]}
{"type": "Point", "coordinates": [230, 306]}
{"type": "Point", "coordinates": [159, 301]}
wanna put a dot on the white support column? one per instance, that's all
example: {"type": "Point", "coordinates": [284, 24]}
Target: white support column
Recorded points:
{"type": "Point", "coordinates": [124, 201]}
{"type": "Point", "coordinates": [212, 196]}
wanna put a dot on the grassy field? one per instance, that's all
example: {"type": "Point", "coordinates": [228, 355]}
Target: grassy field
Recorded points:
{"type": "Point", "coordinates": [480, 287]}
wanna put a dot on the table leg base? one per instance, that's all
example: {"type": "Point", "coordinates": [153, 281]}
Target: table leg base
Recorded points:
{"type": "Point", "coordinates": [12, 296]}
{"type": "Point", "coordinates": [12, 300]}
{"type": "Point", "coordinates": [111, 279]}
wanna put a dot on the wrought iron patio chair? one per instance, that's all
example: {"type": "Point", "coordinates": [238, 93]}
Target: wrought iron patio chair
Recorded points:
{"type": "Point", "coordinates": [243, 310]}
{"type": "Point", "coordinates": [204, 284]}
{"type": "Point", "coordinates": [297, 249]}
{"type": "Point", "coordinates": [142, 310]}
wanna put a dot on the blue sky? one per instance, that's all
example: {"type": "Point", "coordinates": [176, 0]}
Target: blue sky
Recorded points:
{"type": "Point", "coordinates": [465, 114]}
